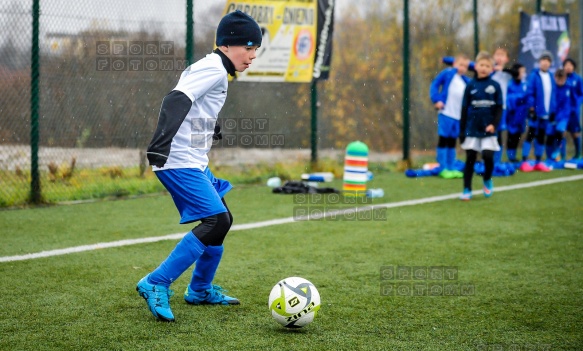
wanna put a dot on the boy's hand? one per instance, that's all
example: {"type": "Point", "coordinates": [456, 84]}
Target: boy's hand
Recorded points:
{"type": "Point", "coordinates": [217, 134]}
{"type": "Point", "coordinates": [439, 105]}
{"type": "Point", "coordinates": [490, 128]}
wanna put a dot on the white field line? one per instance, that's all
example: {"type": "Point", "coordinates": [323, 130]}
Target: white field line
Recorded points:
{"type": "Point", "coordinates": [279, 221]}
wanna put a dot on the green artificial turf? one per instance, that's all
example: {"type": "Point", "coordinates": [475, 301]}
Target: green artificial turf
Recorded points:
{"type": "Point", "coordinates": [520, 252]}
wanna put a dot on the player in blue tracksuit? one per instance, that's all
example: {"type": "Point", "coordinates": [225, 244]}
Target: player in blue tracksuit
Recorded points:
{"type": "Point", "coordinates": [516, 110]}
{"type": "Point", "coordinates": [178, 154]}
{"type": "Point", "coordinates": [541, 92]}
{"type": "Point", "coordinates": [446, 93]}
{"type": "Point", "coordinates": [556, 130]}
{"type": "Point", "coordinates": [575, 84]}
{"type": "Point", "coordinates": [481, 113]}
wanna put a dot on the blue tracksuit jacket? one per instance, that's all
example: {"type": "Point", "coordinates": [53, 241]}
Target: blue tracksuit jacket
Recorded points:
{"type": "Point", "coordinates": [535, 92]}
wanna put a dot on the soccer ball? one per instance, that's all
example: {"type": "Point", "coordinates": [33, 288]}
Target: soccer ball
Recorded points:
{"type": "Point", "coordinates": [294, 302]}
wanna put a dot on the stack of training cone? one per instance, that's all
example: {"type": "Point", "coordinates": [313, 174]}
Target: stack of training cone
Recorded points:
{"type": "Point", "coordinates": [355, 169]}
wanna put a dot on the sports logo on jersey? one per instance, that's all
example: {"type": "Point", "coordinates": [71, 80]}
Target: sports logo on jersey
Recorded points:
{"type": "Point", "coordinates": [490, 89]}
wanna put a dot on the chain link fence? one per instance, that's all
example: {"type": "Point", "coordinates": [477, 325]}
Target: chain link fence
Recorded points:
{"type": "Point", "coordinates": [104, 67]}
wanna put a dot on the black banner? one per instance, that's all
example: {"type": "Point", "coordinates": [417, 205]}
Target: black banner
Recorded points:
{"type": "Point", "coordinates": [325, 29]}
{"type": "Point", "coordinates": [540, 32]}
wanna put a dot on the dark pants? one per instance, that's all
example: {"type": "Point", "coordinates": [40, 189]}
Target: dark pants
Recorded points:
{"type": "Point", "coordinates": [471, 156]}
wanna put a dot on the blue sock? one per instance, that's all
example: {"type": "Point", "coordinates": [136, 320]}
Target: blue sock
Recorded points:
{"type": "Point", "coordinates": [526, 150]}
{"type": "Point", "coordinates": [563, 149]}
{"type": "Point", "coordinates": [186, 252]}
{"type": "Point", "coordinates": [538, 151]}
{"type": "Point", "coordinates": [511, 154]}
{"type": "Point", "coordinates": [442, 157]}
{"type": "Point", "coordinates": [450, 158]}
{"type": "Point", "coordinates": [577, 142]}
{"type": "Point", "coordinates": [206, 267]}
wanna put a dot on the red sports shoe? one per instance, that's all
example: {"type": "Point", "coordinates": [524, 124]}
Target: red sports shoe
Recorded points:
{"type": "Point", "coordinates": [541, 167]}
{"type": "Point", "coordinates": [525, 167]}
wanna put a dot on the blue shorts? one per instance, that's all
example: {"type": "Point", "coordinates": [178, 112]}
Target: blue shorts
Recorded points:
{"type": "Point", "coordinates": [515, 124]}
{"type": "Point", "coordinates": [574, 124]}
{"type": "Point", "coordinates": [559, 126]}
{"type": "Point", "coordinates": [196, 194]}
{"type": "Point", "coordinates": [448, 127]}
{"type": "Point", "coordinates": [515, 129]}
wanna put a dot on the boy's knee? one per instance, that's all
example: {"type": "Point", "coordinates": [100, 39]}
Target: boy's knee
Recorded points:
{"type": "Point", "coordinates": [471, 156]}
{"type": "Point", "coordinates": [451, 142]}
{"type": "Point", "coordinates": [442, 142]}
{"type": "Point", "coordinates": [213, 229]}
{"type": "Point", "coordinates": [488, 155]}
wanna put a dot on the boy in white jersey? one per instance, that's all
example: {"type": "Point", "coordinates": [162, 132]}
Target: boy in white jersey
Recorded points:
{"type": "Point", "coordinates": [178, 155]}
{"type": "Point", "coordinates": [446, 93]}
{"type": "Point", "coordinates": [503, 78]}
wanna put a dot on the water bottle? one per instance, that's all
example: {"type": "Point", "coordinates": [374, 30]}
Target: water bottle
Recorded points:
{"type": "Point", "coordinates": [274, 182]}
{"type": "Point", "coordinates": [570, 165]}
{"type": "Point", "coordinates": [372, 193]}
{"type": "Point", "coordinates": [318, 177]}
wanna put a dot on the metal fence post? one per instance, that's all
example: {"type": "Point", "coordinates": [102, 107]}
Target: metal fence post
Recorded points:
{"type": "Point", "coordinates": [476, 30]}
{"type": "Point", "coordinates": [406, 102]}
{"type": "Point", "coordinates": [189, 32]}
{"type": "Point", "coordinates": [314, 122]}
{"type": "Point", "coordinates": [35, 186]}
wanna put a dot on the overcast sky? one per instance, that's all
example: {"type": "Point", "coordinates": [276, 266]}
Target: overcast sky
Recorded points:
{"type": "Point", "coordinates": [72, 16]}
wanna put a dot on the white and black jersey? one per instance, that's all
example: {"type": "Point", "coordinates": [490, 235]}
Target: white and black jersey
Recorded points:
{"type": "Point", "coordinates": [189, 113]}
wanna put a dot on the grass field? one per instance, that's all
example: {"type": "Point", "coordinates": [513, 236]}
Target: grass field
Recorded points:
{"type": "Point", "coordinates": [521, 251]}
{"type": "Point", "coordinates": [66, 183]}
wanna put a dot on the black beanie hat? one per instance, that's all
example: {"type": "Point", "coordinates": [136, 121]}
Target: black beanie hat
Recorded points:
{"type": "Point", "coordinates": [238, 28]}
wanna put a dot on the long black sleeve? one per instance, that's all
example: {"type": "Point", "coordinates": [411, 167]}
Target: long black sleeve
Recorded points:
{"type": "Point", "coordinates": [464, 115]}
{"type": "Point", "coordinates": [175, 107]}
{"type": "Point", "coordinates": [497, 112]}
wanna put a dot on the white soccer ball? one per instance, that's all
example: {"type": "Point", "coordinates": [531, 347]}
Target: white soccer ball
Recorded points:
{"type": "Point", "coordinates": [294, 302]}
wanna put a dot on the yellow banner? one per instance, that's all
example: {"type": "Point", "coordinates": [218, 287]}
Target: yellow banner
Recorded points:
{"type": "Point", "coordinates": [289, 39]}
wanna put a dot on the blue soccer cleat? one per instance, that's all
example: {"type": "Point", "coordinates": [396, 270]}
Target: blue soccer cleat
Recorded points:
{"type": "Point", "coordinates": [466, 195]}
{"type": "Point", "coordinates": [488, 188]}
{"type": "Point", "coordinates": [212, 296]}
{"type": "Point", "coordinates": [157, 297]}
